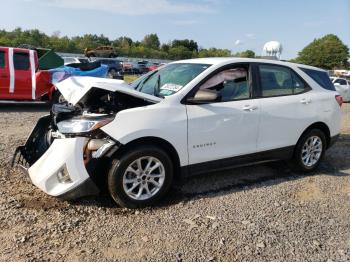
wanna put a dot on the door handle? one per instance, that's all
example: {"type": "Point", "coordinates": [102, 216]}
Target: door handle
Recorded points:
{"type": "Point", "coordinates": [305, 101]}
{"type": "Point", "coordinates": [249, 108]}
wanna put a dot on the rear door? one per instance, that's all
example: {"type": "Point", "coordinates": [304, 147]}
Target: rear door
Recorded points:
{"type": "Point", "coordinates": [4, 74]}
{"type": "Point", "coordinates": [287, 107]}
{"type": "Point", "coordinates": [23, 75]}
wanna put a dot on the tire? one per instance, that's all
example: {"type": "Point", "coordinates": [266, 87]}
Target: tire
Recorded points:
{"type": "Point", "coordinates": [120, 180]}
{"type": "Point", "coordinates": [301, 162]}
{"type": "Point", "coordinates": [58, 98]}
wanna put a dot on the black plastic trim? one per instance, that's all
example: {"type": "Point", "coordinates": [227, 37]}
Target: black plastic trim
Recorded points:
{"type": "Point", "coordinates": [228, 163]}
{"type": "Point", "coordinates": [87, 188]}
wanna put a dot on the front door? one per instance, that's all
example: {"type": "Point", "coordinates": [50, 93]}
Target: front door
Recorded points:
{"type": "Point", "coordinates": [228, 127]}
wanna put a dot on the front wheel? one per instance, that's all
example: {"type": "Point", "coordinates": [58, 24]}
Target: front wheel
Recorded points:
{"type": "Point", "coordinates": [141, 177]}
{"type": "Point", "coordinates": [310, 150]}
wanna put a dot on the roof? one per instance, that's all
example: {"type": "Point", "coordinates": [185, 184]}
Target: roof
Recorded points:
{"type": "Point", "coordinates": [225, 60]}
{"type": "Point", "coordinates": [15, 48]}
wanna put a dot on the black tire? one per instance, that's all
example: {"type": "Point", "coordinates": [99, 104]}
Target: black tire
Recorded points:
{"type": "Point", "coordinates": [57, 98]}
{"type": "Point", "coordinates": [119, 166]}
{"type": "Point", "coordinates": [297, 161]}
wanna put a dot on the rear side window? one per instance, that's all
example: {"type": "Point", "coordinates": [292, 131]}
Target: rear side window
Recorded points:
{"type": "Point", "coordinates": [320, 78]}
{"type": "Point", "coordinates": [279, 81]}
{"type": "Point", "coordinates": [21, 61]}
{"type": "Point", "coordinates": [2, 59]}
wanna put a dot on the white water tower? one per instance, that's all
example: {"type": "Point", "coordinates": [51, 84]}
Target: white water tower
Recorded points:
{"type": "Point", "coordinates": [273, 49]}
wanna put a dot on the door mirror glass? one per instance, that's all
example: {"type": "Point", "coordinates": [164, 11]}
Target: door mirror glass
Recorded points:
{"type": "Point", "coordinates": [204, 96]}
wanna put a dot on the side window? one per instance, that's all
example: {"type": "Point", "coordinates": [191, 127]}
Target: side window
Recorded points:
{"type": "Point", "coordinates": [298, 84]}
{"type": "Point", "coordinates": [232, 84]}
{"type": "Point", "coordinates": [2, 59]}
{"type": "Point", "coordinates": [320, 77]}
{"type": "Point", "coordinates": [279, 81]}
{"type": "Point", "coordinates": [275, 81]}
{"type": "Point", "coordinates": [21, 61]}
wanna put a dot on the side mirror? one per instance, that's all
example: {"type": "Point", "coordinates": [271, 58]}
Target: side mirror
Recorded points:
{"type": "Point", "coordinates": [204, 96]}
{"type": "Point", "coordinates": [336, 84]}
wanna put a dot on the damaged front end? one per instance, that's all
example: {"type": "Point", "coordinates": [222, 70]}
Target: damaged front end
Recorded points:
{"type": "Point", "coordinates": [67, 151]}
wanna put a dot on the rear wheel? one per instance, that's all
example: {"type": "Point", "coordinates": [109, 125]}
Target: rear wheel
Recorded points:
{"type": "Point", "coordinates": [140, 177]}
{"type": "Point", "coordinates": [310, 150]}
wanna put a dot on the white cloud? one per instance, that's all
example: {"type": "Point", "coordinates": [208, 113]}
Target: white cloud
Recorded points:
{"type": "Point", "coordinates": [132, 7]}
{"type": "Point", "coordinates": [238, 42]}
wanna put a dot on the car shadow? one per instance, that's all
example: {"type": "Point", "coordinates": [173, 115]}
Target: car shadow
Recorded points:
{"type": "Point", "coordinates": [215, 184]}
{"type": "Point", "coordinates": [12, 107]}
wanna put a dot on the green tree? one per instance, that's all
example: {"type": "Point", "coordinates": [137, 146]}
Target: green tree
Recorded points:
{"type": "Point", "coordinates": [246, 53]}
{"type": "Point", "coordinates": [151, 41]}
{"type": "Point", "coordinates": [328, 52]}
{"type": "Point", "coordinates": [189, 44]}
{"type": "Point", "coordinates": [214, 52]}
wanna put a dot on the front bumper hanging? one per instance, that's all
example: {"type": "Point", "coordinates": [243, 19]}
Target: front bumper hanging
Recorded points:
{"type": "Point", "coordinates": [57, 167]}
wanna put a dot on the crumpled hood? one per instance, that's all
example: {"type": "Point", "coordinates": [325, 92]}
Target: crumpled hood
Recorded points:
{"type": "Point", "coordinates": [76, 87]}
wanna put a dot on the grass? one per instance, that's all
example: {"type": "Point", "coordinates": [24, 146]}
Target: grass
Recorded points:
{"type": "Point", "coordinates": [130, 78]}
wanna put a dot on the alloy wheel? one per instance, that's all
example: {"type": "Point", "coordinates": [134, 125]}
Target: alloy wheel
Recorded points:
{"type": "Point", "coordinates": [312, 151]}
{"type": "Point", "coordinates": [143, 178]}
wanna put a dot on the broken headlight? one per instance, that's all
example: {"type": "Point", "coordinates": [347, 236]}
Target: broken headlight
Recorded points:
{"type": "Point", "coordinates": [83, 125]}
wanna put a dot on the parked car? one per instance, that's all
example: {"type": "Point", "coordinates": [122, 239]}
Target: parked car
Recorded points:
{"type": "Point", "coordinates": [75, 60]}
{"type": "Point", "coordinates": [343, 87]}
{"type": "Point", "coordinates": [139, 67]}
{"type": "Point", "coordinates": [152, 66]}
{"type": "Point", "coordinates": [189, 117]}
{"type": "Point", "coordinates": [115, 67]}
{"type": "Point", "coordinates": [20, 78]}
{"type": "Point", "coordinates": [101, 51]}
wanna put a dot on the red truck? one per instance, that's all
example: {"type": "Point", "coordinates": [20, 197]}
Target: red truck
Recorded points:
{"type": "Point", "coordinates": [20, 77]}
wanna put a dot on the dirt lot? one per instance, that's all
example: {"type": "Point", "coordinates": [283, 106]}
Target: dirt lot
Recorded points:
{"type": "Point", "coordinates": [260, 213]}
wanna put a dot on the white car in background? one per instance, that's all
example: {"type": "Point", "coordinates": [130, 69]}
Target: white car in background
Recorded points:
{"type": "Point", "coordinates": [342, 85]}
{"type": "Point", "coordinates": [188, 117]}
{"type": "Point", "coordinates": [75, 60]}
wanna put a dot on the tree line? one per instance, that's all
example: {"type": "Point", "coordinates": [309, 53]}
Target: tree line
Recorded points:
{"type": "Point", "coordinates": [327, 52]}
{"type": "Point", "coordinates": [149, 47]}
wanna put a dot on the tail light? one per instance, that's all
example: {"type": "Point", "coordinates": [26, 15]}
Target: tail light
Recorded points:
{"type": "Point", "coordinates": [339, 100]}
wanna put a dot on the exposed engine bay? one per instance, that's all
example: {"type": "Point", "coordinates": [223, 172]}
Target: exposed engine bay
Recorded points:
{"type": "Point", "coordinates": [96, 102]}
{"type": "Point", "coordinates": [94, 107]}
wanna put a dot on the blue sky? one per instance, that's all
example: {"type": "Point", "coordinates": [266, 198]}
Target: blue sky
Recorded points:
{"type": "Point", "coordinates": [236, 25]}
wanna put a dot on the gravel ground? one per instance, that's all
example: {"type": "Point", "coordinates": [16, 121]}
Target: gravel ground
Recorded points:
{"type": "Point", "coordinates": [258, 213]}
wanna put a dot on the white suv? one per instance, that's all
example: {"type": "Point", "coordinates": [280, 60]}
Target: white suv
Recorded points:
{"type": "Point", "coordinates": [188, 117]}
{"type": "Point", "coordinates": [343, 87]}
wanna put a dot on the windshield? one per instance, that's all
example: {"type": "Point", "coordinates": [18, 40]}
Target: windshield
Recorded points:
{"type": "Point", "coordinates": [169, 79]}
